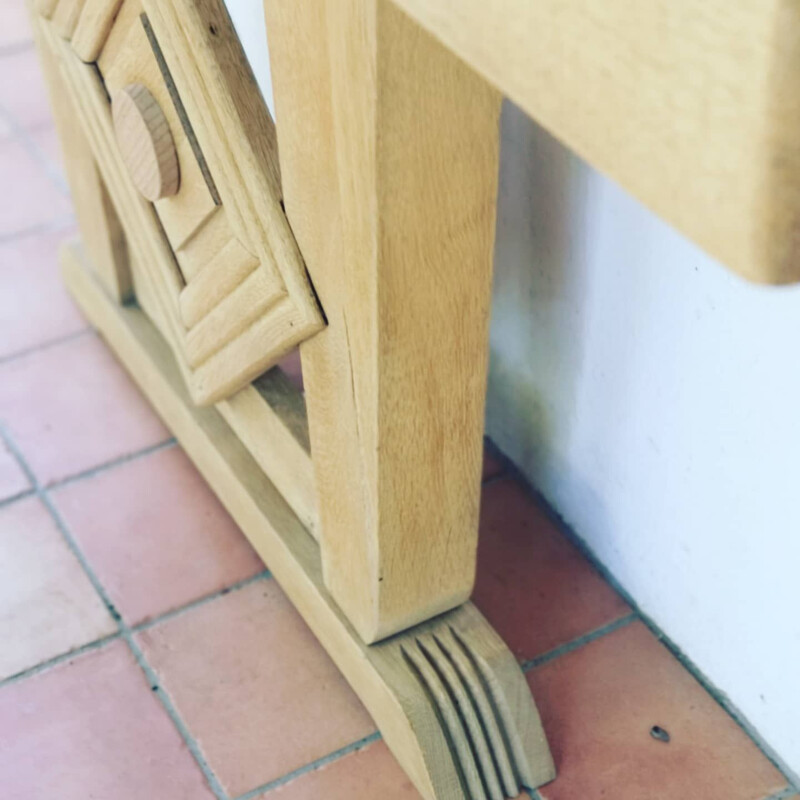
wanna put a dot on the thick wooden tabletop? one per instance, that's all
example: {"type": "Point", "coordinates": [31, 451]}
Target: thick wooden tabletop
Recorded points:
{"type": "Point", "coordinates": [691, 105]}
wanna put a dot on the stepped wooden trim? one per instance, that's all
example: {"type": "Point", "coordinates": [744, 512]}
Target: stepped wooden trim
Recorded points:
{"type": "Point", "coordinates": [192, 134]}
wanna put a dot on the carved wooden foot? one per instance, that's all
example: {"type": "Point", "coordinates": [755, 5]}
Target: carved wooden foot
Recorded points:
{"type": "Point", "coordinates": [448, 696]}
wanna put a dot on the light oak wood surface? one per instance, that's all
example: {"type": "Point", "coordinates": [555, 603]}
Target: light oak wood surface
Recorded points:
{"type": "Point", "coordinates": [145, 142]}
{"type": "Point", "coordinates": [93, 27]}
{"type": "Point", "coordinates": [270, 419]}
{"type": "Point", "coordinates": [102, 232]}
{"type": "Point", "coordinates": [223, 219]}
{"type": "Point", "coordinates": [45, 7]}
{"type": "Point", "coordinates": [388, 148]}
{"type": "Point", "coordinates": [65, 17]}
{"type": "Point", "coordinates": [691, 105]}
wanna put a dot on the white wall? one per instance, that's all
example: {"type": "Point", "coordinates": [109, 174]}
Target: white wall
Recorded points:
{"type": "Point", "coordinates": [248, 19]}
{"type": "Point", "coordinates": [654, 398]}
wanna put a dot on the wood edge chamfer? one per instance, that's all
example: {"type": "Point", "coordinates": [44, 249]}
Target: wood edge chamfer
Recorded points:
{"type": "Point", "coordinates": [448, 696]}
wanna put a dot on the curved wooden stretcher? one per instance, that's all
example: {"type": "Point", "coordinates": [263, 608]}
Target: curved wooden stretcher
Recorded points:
{"type": "Point", "coordinates": [361, 228]}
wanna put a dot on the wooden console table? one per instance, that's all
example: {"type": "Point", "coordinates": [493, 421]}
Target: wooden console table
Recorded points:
{"type": "Point", "coordinates": [361, 228]}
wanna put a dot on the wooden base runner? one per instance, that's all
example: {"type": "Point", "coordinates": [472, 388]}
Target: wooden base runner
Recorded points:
{"type": "Point", "coordinates": [448, 695]}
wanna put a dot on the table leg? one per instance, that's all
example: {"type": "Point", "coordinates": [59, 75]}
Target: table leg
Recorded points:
{"type": "Point", "coordinates": [389, 148]}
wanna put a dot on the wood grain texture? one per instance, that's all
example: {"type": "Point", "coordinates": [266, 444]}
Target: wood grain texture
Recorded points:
{"type": "Point", "coordinates": [128, 57]}
{"type": "Point", "coordinates": [237, 135]}
{"type": "Point", "coordinates": [97, 218]}
{"type": "Point", "coordinates": [220, 275]}
{"type": "Point", "coordinates": [692, 105]}
{"type": "Point", "coordinates": [240, 323]}
{"type": "Point", "coordinates": [231, 317]}
{"type": "Point", "coordinates": [45, 7]}
{"type": "Point", "coordinates": [270, 419]}
{"type": "Point", "coordinates": [137, 216]}
{"type": "Point", "coordinates": [65, 17]}
{"type": "Point", "coordinates": [93, 27]}
{"type": "Point", "coordinates": [200, 250]}
{"type": "Point", "coordinates": [145, 142]}
{"type": "Point", "coordinates": [388, 149]}
{"type": "Point", "coordinates": [430, 690]}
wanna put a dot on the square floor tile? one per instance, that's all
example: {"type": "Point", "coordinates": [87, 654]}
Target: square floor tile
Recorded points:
{"type": "Point", "coordinates": [25, 95]}
{"type": "Point", "coordinates": [30, 198]}
{"type": "Point", "coordinates": [155, 534]}
{"type": "Point", "coordinates": [368, 774]}
{"type": "Point", "coordinates": [254, 686]}
{"type": "Point", "coordinates": [71, 407]}
{"type": "Point", "coordinates": [13, 480]}
{"type": "Point", "coordinates": [599, 704]}
{"type": "Point", "coordinates": [35, 308]}
{"type": "Point", "coordinates": [47, 604]}
{"type": "Point", "coordinates": [533, 584]}
{"type": "Point", "coordinates": [92, 728]}
{"type": "Point", "coordinates": [15, 28]}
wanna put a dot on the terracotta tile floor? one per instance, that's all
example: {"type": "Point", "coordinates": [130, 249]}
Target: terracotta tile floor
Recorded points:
{"type": "Point", "coordinates": [147, 654]}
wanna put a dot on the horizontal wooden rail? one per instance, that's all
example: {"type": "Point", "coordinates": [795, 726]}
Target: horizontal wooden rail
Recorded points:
{"type": "Point", "coordinates": [691, 105]}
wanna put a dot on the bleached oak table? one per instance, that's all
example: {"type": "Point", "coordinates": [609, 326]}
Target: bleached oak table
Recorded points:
{"type": "Point", "coordinates": [361, 229]}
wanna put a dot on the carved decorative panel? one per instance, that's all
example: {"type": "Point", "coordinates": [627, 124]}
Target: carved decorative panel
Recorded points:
{"type": "Point", "coordinates": [187, 149]}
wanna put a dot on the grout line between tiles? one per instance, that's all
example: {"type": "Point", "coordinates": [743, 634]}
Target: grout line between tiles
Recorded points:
{"type": "Point", "coordinates": [314, 765]}
{"type": "Point", "coordinates": [575, 644]}
{"type": "Point", "coordinates": [123, 630]}
{"type": "Point", "coordinates": [172, 712]}
{"type": "Point", "coordinates": [126, 633]}
{"type": "Point", "coordinates": [201, 601]}
{"type": "Point", "coordinates": [783, 794]}
{"type": "Point", "coordinates": [138, 655]}
{"type": "Point", "coordinates": [22, 135]}
{"type": "Point", "coordinates": [86, 474]}
{"type": "Point", "coordinates": [727, 706]}
{"type": "Point", "coordinates": [52, 662]}
{"type": "Point", "coordinates": [50, 343]}
{"type": "Point", "coordinates": [112, 464]}
{"type": "Point", "coordinates": [7, 501]}
{"type": "Point", "coordinates": [142, 626]}
{"type": "Point", "coordinates": [513, 472]}
{"type": "Point", "coordinates": [12, 448]}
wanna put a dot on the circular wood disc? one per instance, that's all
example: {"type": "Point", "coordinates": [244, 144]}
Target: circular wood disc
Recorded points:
{"type": "Point", "coordinates": [145, 142]}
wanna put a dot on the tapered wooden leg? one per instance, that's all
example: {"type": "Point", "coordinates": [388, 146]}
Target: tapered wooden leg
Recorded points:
{"type": "Point", "coordinates": [389, 149]}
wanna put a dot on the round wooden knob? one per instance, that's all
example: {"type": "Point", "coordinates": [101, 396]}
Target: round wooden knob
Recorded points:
{"type": "Point", "coordinates": [145, 142]}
